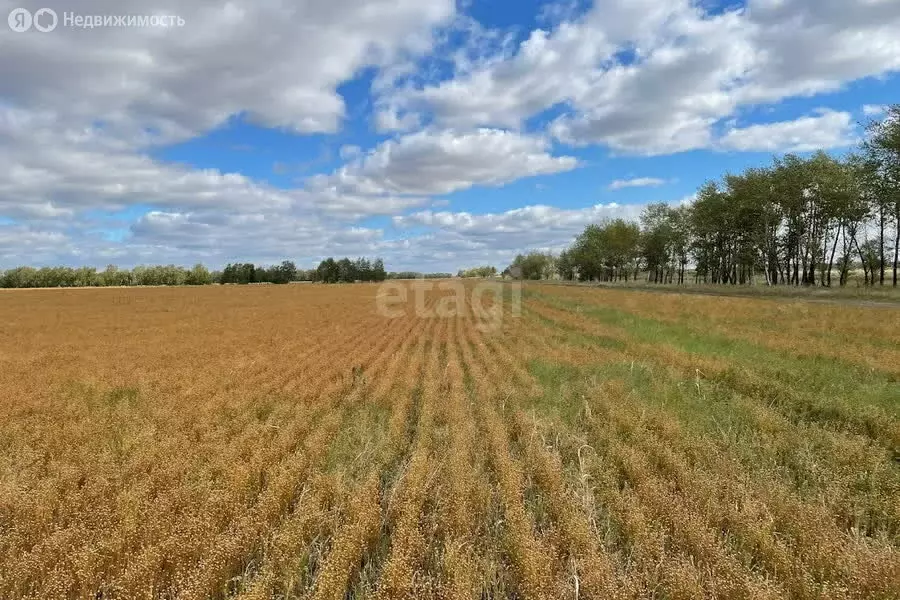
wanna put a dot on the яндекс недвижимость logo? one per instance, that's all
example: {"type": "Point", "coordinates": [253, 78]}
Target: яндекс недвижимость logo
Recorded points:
{"type": "Point", "coordinates": [44, 20]}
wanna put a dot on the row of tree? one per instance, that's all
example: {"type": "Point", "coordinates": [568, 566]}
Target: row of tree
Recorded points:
{"type": "Point", "coordinates": [534, 265]}
{"type": "Point", "coordinates": [603, 253]}
{"type": "Point", "coordinates": [30, 277]}
{"type": "Point", "coordinates": [329, 271]}
{"type": "Point", "coordinates": [348, 271]}
{"type": "Point", "coordinates": [481, 272]}
{"type": "Point", "coordinates": [799, 221]}
{"type": "Point", "coordinates": [244, 273]}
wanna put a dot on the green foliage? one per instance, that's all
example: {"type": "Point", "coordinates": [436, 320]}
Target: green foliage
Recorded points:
{"type": "Point", "coordinates": [882, 152]}
{"type": "Point", "coordinates": [665, 241]}
{"type": "Point", "coordinates": [244, 273]}
{"type": "Point", "coordinates": [347, 271]}
{"type": "Point", "coordinates": [482, 272]}
{"type": "Point", "coordinates": [534, 266]}
{"type": "Point", "coordinates": [29, 277]}
{"type": "Point", "coordinates": [152, 275]}
{"type": "Point", "coordinates": [565, 265]}
{"type": "Point", "coordinates": [794, 222]}
{"type": "Point", "coordinates": [605, 252]}
{"type": "Point", "coordinates": [198, 275]}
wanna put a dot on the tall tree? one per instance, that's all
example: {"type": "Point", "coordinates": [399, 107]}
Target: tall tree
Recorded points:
{"type": "Point", "coordinates": [882, 148]}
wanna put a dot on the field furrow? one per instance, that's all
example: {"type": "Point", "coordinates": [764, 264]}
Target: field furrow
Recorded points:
{"type": "Point", "coordinates": [478, 440]}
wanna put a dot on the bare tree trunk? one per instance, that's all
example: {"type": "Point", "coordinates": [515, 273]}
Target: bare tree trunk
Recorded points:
{"type": "Point", "coordinates": [807, 260]}
{"type": "Point", "coordinates": [896, 239]}
{"type": "Point", "coordinates": [881, 245]}
{"type": "Point", "coordinates": [865, 264]}
{"type": "Point", "coordinates": [837, 234]}
{"type": "Point", "coordinates": [777, 272]}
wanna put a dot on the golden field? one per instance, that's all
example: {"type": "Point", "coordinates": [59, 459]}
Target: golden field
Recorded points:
{"type": "Point", "coordinates": [294, 442]}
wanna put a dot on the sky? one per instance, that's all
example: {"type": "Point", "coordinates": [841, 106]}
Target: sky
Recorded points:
{"type": "Point", "coordinates": [436, 134]}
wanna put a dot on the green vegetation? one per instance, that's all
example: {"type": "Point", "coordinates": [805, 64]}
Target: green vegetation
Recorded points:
{"type": "Point", "coordinates": [347, 271]}
{"type": "Point", "coordinates": [30, 277]}
{"type": "Point", "coordinates": [801, 221]}
{"type": "Point", "coordinates": [531, 266]}
{"type": "Point", "coordinates": [480, 272]}
{"type": "Point", "coordinates": [249, 273]}
{"type": "Point", "coordinates": [328, 271]}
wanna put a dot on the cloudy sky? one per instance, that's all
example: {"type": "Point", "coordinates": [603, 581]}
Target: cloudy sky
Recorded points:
{"type": "Point", "coordinates": [436, 134]}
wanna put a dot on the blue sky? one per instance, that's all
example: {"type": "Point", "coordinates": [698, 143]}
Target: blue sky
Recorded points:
{"type": "Point", "coordinates": [436, 134]}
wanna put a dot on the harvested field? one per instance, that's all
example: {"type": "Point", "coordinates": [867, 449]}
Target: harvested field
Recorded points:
{"type": "Point", "coordinates": [294, 442]}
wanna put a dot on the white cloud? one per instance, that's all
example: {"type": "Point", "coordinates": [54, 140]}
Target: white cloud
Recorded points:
{"type": "Point", "coordinates": [277, 62]}
{"type": "Point", "coordinates": [517, 228]}
{"type": "Point", "coordinates": [56, 177]}
{"type": "Point", "coordinates": [827, 130]}
{"type": "Point", "coordinates": [225, 235]}
{"type": "Point", "coordinates": [461, 238]}
{"type": "Point", "coordinates": [20, 241]}
{"type": "Point", "coordinates": [440, 162]}
{"type": "Point", "coordinates": [649, 77]}
{"type": "Point", "coordinates": [84, 110]}
{"type": "Point", "coordinates": [63, 189]}
{"type": "Point", "coordinates": [51, 169]}
{"type": "Point", "coordinates": [452, 239]}
{"type": "Point", "coordinates": [349, 151]}
{"type": "Point", "coordinates": [389, 119]}
{"type": "Point", "coordinates": [619, 184]}
{"type": "Point", "coordinates": [874, 110]}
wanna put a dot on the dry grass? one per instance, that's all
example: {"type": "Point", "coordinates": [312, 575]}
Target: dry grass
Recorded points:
{"type": "Point", "coordinates": [289, 442]}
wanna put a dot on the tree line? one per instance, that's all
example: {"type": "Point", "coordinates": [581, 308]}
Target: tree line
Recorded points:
{"type": "Point", "coordinates": [798, 221]}
{"type": "Point", "coordinates": [244, 273]}
{"type": "Point", "coordinates": [328, 271]}
{"type": "Point", "coordinates": [534, 265]}
{"type": "Point", "coordinates": [348, 271]}
{"type": "Point", "coordinates": [482, 272]}
{"type": "Point", "coordinates": [30, 277]}
{"type": "Point", "coordinates": [361, 269]}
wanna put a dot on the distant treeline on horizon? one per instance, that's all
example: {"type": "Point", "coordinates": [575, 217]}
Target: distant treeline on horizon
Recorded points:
{"type": "Point", "coordinates": [329, 271]}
